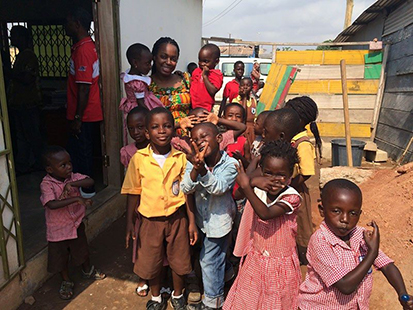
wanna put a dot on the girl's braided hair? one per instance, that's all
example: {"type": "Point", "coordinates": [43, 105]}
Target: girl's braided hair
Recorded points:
{"type": "Point", "coordinates": [280, 149]}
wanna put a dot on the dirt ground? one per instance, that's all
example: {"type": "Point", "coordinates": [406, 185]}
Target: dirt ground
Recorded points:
{"type": "Point", "coordinates": [387, 198]}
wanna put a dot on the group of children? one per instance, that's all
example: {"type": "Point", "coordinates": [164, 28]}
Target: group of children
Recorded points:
{"type": "Point", "coordinates": [237, 177]}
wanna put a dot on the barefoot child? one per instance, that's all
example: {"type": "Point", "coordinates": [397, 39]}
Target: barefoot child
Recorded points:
{"type": "Point", "coordinates": [231, 90]}
{"type": "Point", "coordinates": [152, 183]}
{"type": "Point", "coordinates": [210, 176]}
{"type": "Point", "coordinates": [136, 82]}
{"type": "Point", "coordinates": [341, 255]}
{"type": "Point", "coordinates": [206, 81]}
{"type": "Point", "coordinates": [65, 210]}
{"type": "Point", "coordinates": [270, 276]}
{"type": "Point", "coordinates": [307, 111]}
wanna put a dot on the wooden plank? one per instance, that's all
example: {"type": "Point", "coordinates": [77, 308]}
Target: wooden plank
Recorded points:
{"type": "Point", "coordinates": [393, 135]}
{"type": "Point", "coordinates": [328, 72]}
{"type": "Point", "coordinates": [334, 87]}
{"type": "Point", "coordinates": [271, 85]}
{"type": "Point", "coordinates": [352, 57]}
{"type": "Point", "coordinates": [280, 89]}
{"type": "Point", "coordinates": [398, 101]}
{"type": "Point", "coordinates": [373, 57]}
{"type": "Point", "coordinates": [372, 71]}
{"type": "Point", "coordinates": [357, 116]}
{"type": "Point", "coordinates": [336, 101]}
{"type": "Point", "coordinates": [397, 119]}
{"type": "Point", "coordinates": [337, 130]}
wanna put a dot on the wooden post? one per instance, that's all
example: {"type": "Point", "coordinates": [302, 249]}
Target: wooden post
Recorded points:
{"type": "Point", "coordinates": [346, 112]}
{"type": "Point", "coordinates": [349, 13]}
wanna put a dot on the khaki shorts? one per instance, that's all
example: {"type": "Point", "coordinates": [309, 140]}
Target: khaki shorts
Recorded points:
{"type": "Point", "coordinates": [160, 236]}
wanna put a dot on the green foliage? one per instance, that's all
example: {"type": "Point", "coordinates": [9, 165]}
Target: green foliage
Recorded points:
{"type": "Point", "coordinates": [326, 47]}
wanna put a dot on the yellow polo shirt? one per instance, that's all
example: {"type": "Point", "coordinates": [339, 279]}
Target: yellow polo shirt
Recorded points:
{"type": "Point", "coordinates": [306, 154]}
{"type": "Point", "coordinates": [158, 187]}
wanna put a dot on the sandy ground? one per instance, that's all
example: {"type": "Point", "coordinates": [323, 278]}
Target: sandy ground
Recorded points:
{"type": "Point", "coordinates": [388, 199]}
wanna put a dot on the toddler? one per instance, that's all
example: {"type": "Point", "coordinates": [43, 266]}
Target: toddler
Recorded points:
{"type": "Point", "coordinates": [206, 81]}
{"type": "Point", "coordinates": [65, 209]}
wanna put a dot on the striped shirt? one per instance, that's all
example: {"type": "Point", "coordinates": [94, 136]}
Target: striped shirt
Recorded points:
{"type": "Point", "coordinates": [330, 259]}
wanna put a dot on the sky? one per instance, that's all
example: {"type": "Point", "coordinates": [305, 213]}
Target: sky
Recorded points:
{"type": "Point", "coordinates": [278, 20]}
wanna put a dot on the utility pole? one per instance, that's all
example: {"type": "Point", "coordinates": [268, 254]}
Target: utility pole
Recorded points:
{"type": "Point", "coordinates": [349, 13]}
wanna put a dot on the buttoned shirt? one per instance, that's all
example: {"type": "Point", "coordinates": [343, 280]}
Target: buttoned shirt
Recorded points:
{"type": "Point", "coordinates": [61, 223]}
{"type": "Point", "coordinates": [330, 259]}
{"type": "Point", "coordinates": [215, 207]}
{"type": "Point", "coordinates": [158, 187]}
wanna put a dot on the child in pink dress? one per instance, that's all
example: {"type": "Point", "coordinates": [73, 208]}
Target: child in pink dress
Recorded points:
{"type": "Point", "coordinates": [269, 277]}
{"type": "Point", "coordinates": [136, 82]}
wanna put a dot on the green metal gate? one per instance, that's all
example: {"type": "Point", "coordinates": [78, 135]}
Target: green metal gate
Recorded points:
{"type": "Point", "coordinates": [11, 241]}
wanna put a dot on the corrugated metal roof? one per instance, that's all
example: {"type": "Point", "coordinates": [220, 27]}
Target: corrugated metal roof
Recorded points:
{"type": "Point", "coordinates": [367, 16]}
{"type": "Point", "coordinates": [399, 18]}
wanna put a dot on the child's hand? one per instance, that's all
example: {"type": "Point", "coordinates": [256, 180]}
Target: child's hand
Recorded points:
{"type": "Point", "coordinates": [130, 233]}
{"type": "Point", "coordinates": [85, 202]}
{"type": "Point", "coordinates": [372, 238]}
{"type": "Point", "coordinates": [193, 233]}
{"type": "Point", "coordinates": [66, 191]}
{"type": "Point", "coordinates": [205, 71]}
{"type": "Point", "coordinates": [188, 122]}
{"type": "Point", "coordinates": [242, 178]}
{"type": "Point", "coordinates": [237, 155]}
{"type": "Point", "coordinates": [209, 117]}
{"type": "Point", "coordinates": [407, 304]}
{"type": "Point", "coordinates": [267, 183]}
{"type": "Point", "coordinates": [198, 158]}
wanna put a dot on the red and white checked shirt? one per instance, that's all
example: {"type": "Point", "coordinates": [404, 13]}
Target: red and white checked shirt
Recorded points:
{"type": "Point", "coordinates": [62, 223]}
{"type": "Point", "coordinates": [330, 259]}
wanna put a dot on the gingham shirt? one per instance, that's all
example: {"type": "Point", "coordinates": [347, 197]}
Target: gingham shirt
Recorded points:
{"type": "Point", "coordinates": [330, 259]}
{"type": "Point", "coordinates": [62, 223]}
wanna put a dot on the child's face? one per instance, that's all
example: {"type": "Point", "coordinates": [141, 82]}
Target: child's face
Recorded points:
{"type": "Point", "coordinates": [239, 71]}
{"type": "Point", "coordinates": [203, 134]}
{"type": "Point", "coordinates": [259, 125]}
{"type": "Point", "coordinates": [166, 59]}
{"type": "Point", "coordinates": [160, 130]}
{"type": "Point", "coordinates": [277, 168]}
{"type": "Point", "coordinates": [143, 63]}
{"type": "Point", "coordinates": [341, 209]}
{"type": "Point", "coordinates": [60, 166]}
{"type": "Point", "coordinates": [245, 87]}
{"type": "Point", "coordinates": [136, 127]}
{"type": "Point", "coordinates": [206, 59]}
{"type": "Point", "coordinates": [234, 113]}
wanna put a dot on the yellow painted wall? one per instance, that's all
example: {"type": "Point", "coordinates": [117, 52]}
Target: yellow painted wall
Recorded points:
{"type": "Point", "coordinates": [334, 87]}
{"type": "Point", "coordinates": [320, 57]}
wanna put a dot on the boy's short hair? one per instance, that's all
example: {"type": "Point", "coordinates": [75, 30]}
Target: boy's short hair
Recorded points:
{"type": "Point", "coordinates": [285, 120]}
{"type": "Point", "coordinates": [197, 110]}
{"type": "Point", "coordinates": [138, 110]}
{"type": "Point", "coordinates": [214, 49]}
{"type": "Point", "coordinates": [49, 151]}
{"type": "Point", "coordinates": [239, 62]}
{"type": "Point", "coordinates": [236, 104]}
{"type": "Point", "coordinates": [246, 78]}
{"type": "Point", "coordinates": [191, 67]}
{"type": "Point", "coordinates": [341, 184]}
{"type": "Point", "coordinates": [158, 110]}
{"type": "Point", "coordinates": [264, 114]}
{"type": "Point", "coordinates": [135, 51]}
{"type": "Point", "coordinates": [209, 125]}
{"type": "Point", "coordinates": [82, 16]}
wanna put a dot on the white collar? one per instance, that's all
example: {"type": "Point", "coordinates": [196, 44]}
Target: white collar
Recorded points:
{"type": "Point", "coordinates": [126, 77]}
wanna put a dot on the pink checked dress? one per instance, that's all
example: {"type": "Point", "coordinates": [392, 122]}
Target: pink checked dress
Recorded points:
{"type": "Point", "coordinates": [136, 87]}
{"type": "Point", "coordinates": [270, 276]}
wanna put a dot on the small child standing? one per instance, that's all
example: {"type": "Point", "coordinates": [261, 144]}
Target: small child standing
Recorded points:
{"type": "Point", "coordinates": [135, 122]}
{"type": "Point", "coordinates": [65, 209]}
{"type": "Point", "coordinates": [206, 81]}
{"type": "Point", "coordinates": [136, 82]}
{"type": "Point", "coordinates": [231, 90]}
{"type": "Point", "coordinates": [307, 110]}
{"type": "Point", "coordinates": [152, 183]}
{"type": "Point", "coordinates": [210, 176]}
{"type": "Point", "coordinates": [341, 255]}
{"type": "Point", "coordinates": [267, 234]}
{"type": "Point", "coordinates": [249, 103]}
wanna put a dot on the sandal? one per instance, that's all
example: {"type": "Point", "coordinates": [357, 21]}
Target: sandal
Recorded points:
{"type": "Point", "coordinates": [94, 273]}
{"type": "Point", "coordinates": [143, 290]}
{"type": "Point", "coordinates": [66, 290]}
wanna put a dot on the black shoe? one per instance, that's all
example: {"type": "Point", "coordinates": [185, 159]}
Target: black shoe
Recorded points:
{"type": "Point", "coordinates": [178, 303]}
{"type": "Point", "coordinates": [201, 306]}
{"type": "Point", "coordinates": [154, 305]}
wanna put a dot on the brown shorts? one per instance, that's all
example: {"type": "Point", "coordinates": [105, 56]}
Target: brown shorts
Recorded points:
{"type": "Point", "coordinates": [160, 236]}
{"type": "Point", "coordinates": [59, 252]}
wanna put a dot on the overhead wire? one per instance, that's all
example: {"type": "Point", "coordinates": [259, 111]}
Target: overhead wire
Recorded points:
{"type": "Point", "coordinates": [223, 13]}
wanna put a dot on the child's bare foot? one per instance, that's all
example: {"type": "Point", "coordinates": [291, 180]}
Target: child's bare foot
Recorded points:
{"type": "Point", "coordinates": [143, 289]}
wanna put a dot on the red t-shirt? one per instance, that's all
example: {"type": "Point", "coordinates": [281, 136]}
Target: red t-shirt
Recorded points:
{"type": "Point", "coordinates": [231, 90]}
{"type": "Point", "coordinates": [84, 68]}
{"type": "Point", "coordinates": [199, 94]}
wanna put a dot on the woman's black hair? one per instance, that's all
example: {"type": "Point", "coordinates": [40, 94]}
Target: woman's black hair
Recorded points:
{"type": "Point", "coordinates": [158, 44]}
{"type": "Point", "coordinates": [280, 149]}
{"type": "Point", "coordinates": [308, 111]}
{"type": "Point", "coordinates": [235, 104]}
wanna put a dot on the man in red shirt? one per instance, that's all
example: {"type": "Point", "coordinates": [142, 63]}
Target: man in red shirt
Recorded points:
{"type": "Point", "coordinates": [231, 89]}
{"type": "Point", "coordinates": [84, 108]}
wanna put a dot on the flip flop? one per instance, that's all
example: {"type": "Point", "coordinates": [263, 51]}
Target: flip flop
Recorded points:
{"type": "Point", "coordinates": [142, 291]}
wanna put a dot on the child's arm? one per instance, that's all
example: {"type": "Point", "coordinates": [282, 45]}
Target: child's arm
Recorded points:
{"type": "Point", "coordinates": [57, 204]}
{"type": "Point", "coordinates": [190, 211]}
{"type": "Point", "coordinates": [222, 106]}
{"type": "Point", "coordinates": [212, 90]}
{"type": "Point", "coordinates": [131, 203]}
{"type": "Point", "coordinates": [350, 282]}
{"type": "Point", "coordinates": [393, 275]}
{"type": "Point", "coordinates": [86, 182]}
{"type": "Point", "coordinates": [237, 127]}
{"type": "Point", "coordinates": [298, 180]}
{"type": "Point", "coordinates": [141, 102]}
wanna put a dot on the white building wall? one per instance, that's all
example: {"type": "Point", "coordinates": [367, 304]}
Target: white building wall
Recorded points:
{"type": "Point", "coordinates": [146, 21]}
